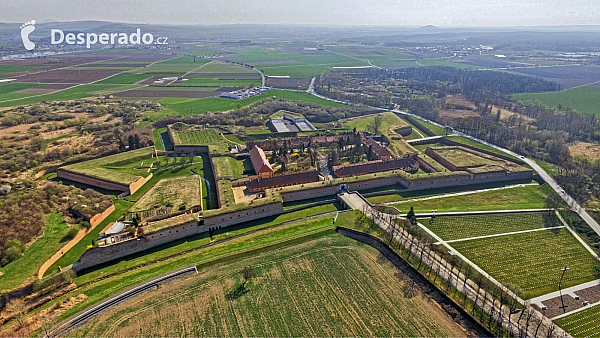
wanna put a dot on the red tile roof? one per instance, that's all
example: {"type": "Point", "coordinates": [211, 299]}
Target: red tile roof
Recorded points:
{"type": "Point", "coordinates": [380, 151]}
{"type": "Point", "coordinates": [283, 180]}
{"type": "Point", "coordinates": [259, 161]}
{"type": "Point", "coordinates": [356, 169]}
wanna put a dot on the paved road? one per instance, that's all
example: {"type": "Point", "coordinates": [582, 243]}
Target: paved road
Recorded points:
{"type": "Point", "coordinates": [94, 310]}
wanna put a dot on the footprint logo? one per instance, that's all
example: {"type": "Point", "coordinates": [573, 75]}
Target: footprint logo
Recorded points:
{"type": "Point", "coordinates": [26, 29]}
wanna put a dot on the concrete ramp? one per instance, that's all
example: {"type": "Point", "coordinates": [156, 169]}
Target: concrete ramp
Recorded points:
{"type": "Point", "coordinates": [353, 200]}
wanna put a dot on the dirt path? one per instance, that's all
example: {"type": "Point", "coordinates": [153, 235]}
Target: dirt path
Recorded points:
{"type": "Point", "coordinates": [47, 264]}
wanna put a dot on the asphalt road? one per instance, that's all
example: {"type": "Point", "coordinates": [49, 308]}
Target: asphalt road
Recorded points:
{"type": "Point", "coordinates": [85, 315]}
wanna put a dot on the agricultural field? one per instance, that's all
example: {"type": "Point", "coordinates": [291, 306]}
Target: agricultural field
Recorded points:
{"type": "Point", "coordinates": [568, 77]}
{"type": "Point", "coordinates": [296, 63]}
{"type": "Point", "coordinates": [583, 323]}
{"type": "Point", "coordinates": [582, 99]}
{"type": "Point", "coordinates": [224, 68]}
{"type": "Point", "coordinates": [123, 168]}
{"type": "Point", "coordinates": [178, 65]}
{"type": "Point", "coordinates": [543, 253]}
{"type": "Point", "coordinates": [467, 226]}
{"type": "Point", "coordinates": [330, 286]}
{"type": "Point", "coordinates": [181, 193]}
{"type": "Point", "coordinates": [202, 137]}
{"type": "Point", "coordinates": [446, 63]}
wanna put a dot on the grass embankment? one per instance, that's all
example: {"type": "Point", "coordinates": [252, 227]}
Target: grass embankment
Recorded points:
{"type": "Point", "coordinates": [521, 197]}
{"type": "Point", "coordinates": [76, 251]}
{"type": "Point", "coordinates": [41, 250]}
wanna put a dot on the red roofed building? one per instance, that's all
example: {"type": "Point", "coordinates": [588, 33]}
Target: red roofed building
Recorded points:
{"type": "Point", "coordinates": [380, 152]}
{"type": "Point", "coordinates": [261, 165]}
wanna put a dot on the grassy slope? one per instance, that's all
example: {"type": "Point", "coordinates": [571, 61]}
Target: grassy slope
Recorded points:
{"type": "Point", "coordinates": [529, 197]}
{"type": "Point", "coordinates": [42, 249]}
{"type": "Point", "coordinates": [76, 251]}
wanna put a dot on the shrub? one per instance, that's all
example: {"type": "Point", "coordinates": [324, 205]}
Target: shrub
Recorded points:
{"type": "Point", "coordinates": [72, 232]}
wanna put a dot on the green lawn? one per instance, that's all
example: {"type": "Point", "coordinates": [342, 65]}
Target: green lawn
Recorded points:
{"type": "Point", "coordinates": [467, 226]}
{"type": "Point", "coordinates": [41, 250]}
{"type": "Point", "coordinates": [528, 197]}
{"type": "Point", "coordinates": [532, 261]}
{"type": "Point", "coordinates": [482, 146]}
{"type": "Point", "coordinates": [583, 323]}
{"type": "Point", "coordinates": [390, 120]}
{"type": "Point", "coordinates": [204, 137]}
{"type": "Point", "coordinates": [582, 99]}
{"type": "Point", "coordinates": [326, 287]}
{"type": "Point", "coordinates": [123, 168]}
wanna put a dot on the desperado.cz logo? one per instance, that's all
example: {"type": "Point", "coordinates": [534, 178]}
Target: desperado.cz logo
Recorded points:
{"type": "Point", "coordinates": [57, 37]}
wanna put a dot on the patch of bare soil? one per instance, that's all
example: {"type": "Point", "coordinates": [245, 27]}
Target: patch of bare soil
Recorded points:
{"type": "Point", "coordinates": [586, 149]}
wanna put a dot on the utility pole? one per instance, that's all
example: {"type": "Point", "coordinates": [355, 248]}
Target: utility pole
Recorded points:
{"type": "Point", "coordinates": [560, 288]}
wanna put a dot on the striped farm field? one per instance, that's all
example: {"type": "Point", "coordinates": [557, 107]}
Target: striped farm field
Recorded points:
{"type": "Point", "coordinates": [532, 261]}
{"type": "Point", "coordinates": [467, 226]}
{"type": "Point", "coordinates": [327, 287]}
{"type": "Point", "coordinates": [583, 323]}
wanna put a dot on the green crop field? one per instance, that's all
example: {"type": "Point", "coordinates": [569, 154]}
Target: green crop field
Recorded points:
{"type": "Point", "coordinates": [222, 81]}
{"type": "Point", "coordinates": [224, 67]}
{"type": "Point", "coordinates": [10, 68]}
{"type": "Point", "coordinates": [123, 168]}
{"type": "Point", "coordinates": [215, 104]}
{"type": "Point", "coordinates": [327, 287]}
{"type": "Point", "coordinates": [296, 65]}
{"type": "Point", "coordinates": [532, 261]}
{"type": "Point", "coordinates": [41, 250]}
{"type": "Point", "coordinates": [582, 99]}
{"type": "Point", "coordinates": [466, 226]}
{"type": "Point", "coordinates": [525, 197]}
{"type": "Point", "coordinates": [72, 93]}
{"type": "Point", "coordinates": [583, 323]}
{"type": "Point", "coordinates": [446, 63]}
{"type": "Point", "coordinates": [182, 64]}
